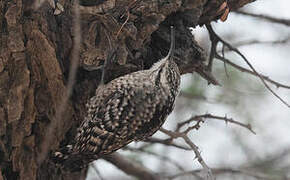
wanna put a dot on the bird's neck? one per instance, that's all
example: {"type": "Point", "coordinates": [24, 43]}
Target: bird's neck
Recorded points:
{"type": "Point", "coordinates": [158, 64]}
{"type": "Point", "coordinates": [165, 74]}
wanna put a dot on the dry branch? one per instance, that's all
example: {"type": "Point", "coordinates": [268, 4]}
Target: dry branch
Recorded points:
{"type": "Point", "coordinates": [219, 171]}
{"type": "Point", "coordinates": [161, 157]}
{"type": "Point", "coordinates": [215, 36]}
{"type": "Point", "coordinates": [206, 170]}
{"type": "Point", "coordinates": [201, 118]}
{"type": "Point", "coordinates": [245, 70]}
{"type": "Point", "coordinates": [166, 142]}
{"type": "Point", "coordinates": [271, 19]}
{"type": "Point", "coordinates": [130, 167]}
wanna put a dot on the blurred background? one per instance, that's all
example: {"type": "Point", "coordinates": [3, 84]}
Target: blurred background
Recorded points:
{"type": "Point", "coordinates": [233, 152]}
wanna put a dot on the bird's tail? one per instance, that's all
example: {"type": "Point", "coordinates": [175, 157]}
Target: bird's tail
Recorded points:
{"type": "Point", "coordinates": [59, 157]}
{"type": "Point", "coordinates": [70, 160]}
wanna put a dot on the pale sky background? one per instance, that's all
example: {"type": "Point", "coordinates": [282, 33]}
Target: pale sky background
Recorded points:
{"type": "Point", "coordinates": [272, 118]}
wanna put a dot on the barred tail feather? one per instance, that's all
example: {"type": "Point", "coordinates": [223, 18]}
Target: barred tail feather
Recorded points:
{"type": "Point", "coordinates": [70, 160]}
{"type": "Point", "coordinates": [62, 155]}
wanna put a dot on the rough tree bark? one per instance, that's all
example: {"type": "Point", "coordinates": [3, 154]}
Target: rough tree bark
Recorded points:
{"type": "Point", "coordinates": [35, 55]}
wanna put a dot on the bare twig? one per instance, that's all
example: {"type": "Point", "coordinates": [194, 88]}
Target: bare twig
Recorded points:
{"type": "Point", "coordinates": [218, 171]}
{"type": "Point", "coordinates": [254, 42]}
{"type": "Point", "coordinates": [162, 157]}
{"type": "Point", "coordinates": [214, 43]}
{"type": "Point", "coordinates": [225, 65]}
{"type": "Point", "coordinates": [192, 96]}
{"type": "Point", "coordinates": [130, 167]}
{"type": "Point", "coordinates": [270, 162]}
{"type": "Point", "coordinates": [167, 142]}
{"type": "Point", "coordinates": [128, 16]}
{"type": "Point", "coordinates": [200, 118]}
{"type": "Point", "coordinates": [206, 169]}
{"type": "Point", "coordinates": [242, 69]}
{"type": "Point", "coordinates": [93, 165]}
{"type": "Point", "coordinates": [128, 8]}
{"type": "Point", "coordinates": [282, 21]}
{"type": "Point", "coordinates": [212, 33]}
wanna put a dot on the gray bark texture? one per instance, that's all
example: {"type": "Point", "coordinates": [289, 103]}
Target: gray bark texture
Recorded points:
{"type": "Point", "coordinates": [36, 53]}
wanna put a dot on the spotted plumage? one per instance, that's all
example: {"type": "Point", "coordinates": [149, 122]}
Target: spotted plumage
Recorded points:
{"type": "Point", "coordinates": [129, 108]}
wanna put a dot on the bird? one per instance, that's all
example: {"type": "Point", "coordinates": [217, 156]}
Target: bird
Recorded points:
{"type": "Point", "coordinates": [129, 108]}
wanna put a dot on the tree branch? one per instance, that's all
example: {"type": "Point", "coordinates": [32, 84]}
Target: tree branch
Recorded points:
{"type": "Point", "coordinates": [131, 168]}
{"type": "Point", "coordinates": [174, 135]}
{"type": "Point", "coordinates": [242, 69]}
{"type": "Point", "coordinates": [162, 157]}
{"type": "Point", "coordinates": [212, 33]}
{"type": "Point", "coordinates": [200, 118]}
{"type": "Point", "coordinates": [282, 21]}
{"type": "Point", "coordinates": [218, 171]}
{"type": "Point", "coordinates": [166, 142]}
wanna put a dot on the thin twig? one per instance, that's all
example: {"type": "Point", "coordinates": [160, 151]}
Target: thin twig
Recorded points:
{"type": "Point", "coordinates": [242, 69]}
{"type": "Point", "coordinates": [282, 21]}
{"type": "Point", "coordinates": [167, 142]}
{"type": "Point", "coordinates": [257, 42]}
{"type": "Point", "coordinates": [200, 118]}
{"type": "Point", "coordinates": [94, 166]}
{"type": "Point", "coordinates": [162, 157]}
{"type": "Point", "coordinates": [211, 31]}
{"type": "Point", "coordinates": [225, 65]}
{"type": "Point", "coordinates": [130, 167]}
{"type": "Point", "coordinates": [214, 43]}
{"type": "Point", "coordinates": [206, 169]}
{"type": "Point", "coordinates": [128, 16]}
{"type": "Point", "coordinates": [218, 171]}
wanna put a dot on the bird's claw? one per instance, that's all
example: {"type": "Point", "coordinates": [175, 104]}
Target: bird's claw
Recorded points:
{"type": "Point", "coordinates": [224, 9]}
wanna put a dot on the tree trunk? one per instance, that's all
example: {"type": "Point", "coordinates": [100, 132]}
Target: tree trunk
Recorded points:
{"type": "Point", "coordinates": [36, 54]}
